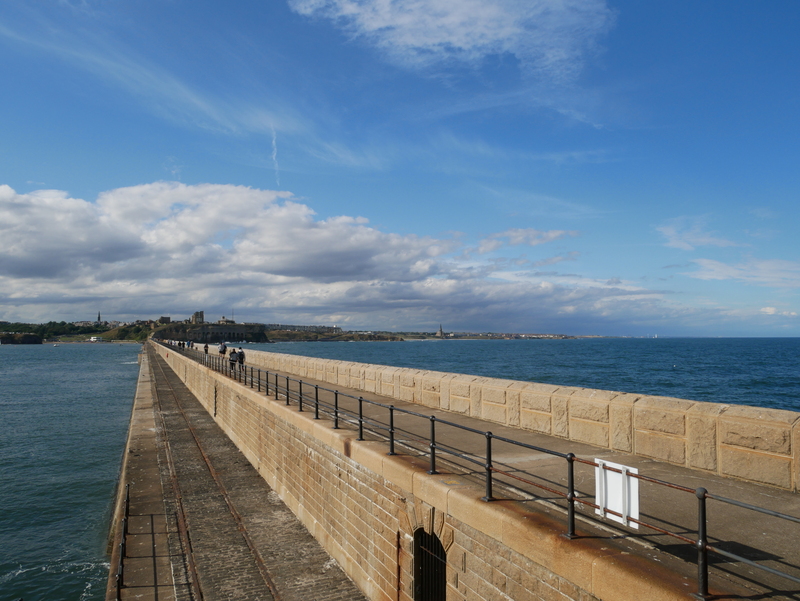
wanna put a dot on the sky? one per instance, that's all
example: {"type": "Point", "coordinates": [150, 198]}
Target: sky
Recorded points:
{"type": "Point", "coordinates": [583, 167]}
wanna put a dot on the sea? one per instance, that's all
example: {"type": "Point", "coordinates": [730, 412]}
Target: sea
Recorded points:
{"type": "Point", "coordinates": [64, 413]}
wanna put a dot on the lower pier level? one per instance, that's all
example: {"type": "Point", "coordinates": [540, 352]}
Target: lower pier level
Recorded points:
{"type": "Point", "coordinates": [201, 523]}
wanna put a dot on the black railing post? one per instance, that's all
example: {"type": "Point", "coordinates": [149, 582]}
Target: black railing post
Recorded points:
{"type": "Point", "coordinates": [266, 383]}
{"type": "Point", "coordinates": [251, 377]}
{"type": "Point", "coordinates": [316, 401]}
{"type": "Point", "coordinates": [258, 371]}
{"type": "Point", "coordinates": [300, 394]}
{"type": "Point", "coordinates": [702, 545]}
{"type": "Point", "coordinates": [360, 419]}
{"type": "Point", "coordinates": [276, 386]}
{"type": "Point", "coordinates": [488, 496]}
{"type": "Point", "coordinates": [391, 430]}
{"type": "Point", "coordinates": [432, 446]}
{"type": "Point", "coordinates": [335, 409]}
{"type": "Point", "coordinates": [287, 390]}
{"type": "Point", "coordinates": [570, 495]}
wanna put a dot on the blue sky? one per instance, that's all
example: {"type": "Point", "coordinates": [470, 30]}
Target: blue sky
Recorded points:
{"type": "Point", "coordinates": [580, 167]}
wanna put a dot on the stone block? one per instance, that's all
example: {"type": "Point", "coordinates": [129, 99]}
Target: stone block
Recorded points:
{"type": "Point", "coordinates": [513, 403]}
{"type": "Point", "coordinates": [559, 404]}
{"type": "Point", "coordinates": [658, 446]}
{"type": "Point", "coordinates": [701, 435]}
{"type": "Point", "coordinates": [369, 454]}
{"type": "Point", "coordinates": [476, 396]}
{"type": "Point", "coordinates": [620, 417]}
{"type": "Point", "coordinates": [494, 395]}
{"type": "Point", "coordinates": [587, 409]}
{"type": "Point", "coordinates": [495, 413]}
{"type": "Point", "coordinates": [536, 397]}
{"type": "Point", "coordinates": [589, 432]}
{"type": "Point", "coordinates": [460, 386]}
{"type": "Point", "coordinates": [464, 504]}
{"type": "Point", "coordinates": [535, 421]}
{"type": "Point", "coordinates": [756, 467]}
{"type": "Point", "coordinates": [756, 434]}
{"type": "Point", "coordinates": [661, 414]}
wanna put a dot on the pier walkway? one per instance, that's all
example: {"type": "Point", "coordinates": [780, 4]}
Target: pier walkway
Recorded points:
{"type": "Point", "coordinates": [268, 558]}
{"type": "Point", "coordinates": [202, 524]}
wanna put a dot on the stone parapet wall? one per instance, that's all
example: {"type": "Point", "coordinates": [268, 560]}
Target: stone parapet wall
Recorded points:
{"type": "Point", "coordinates": [750, 443]}
{"type": "Point", "coordinates": [364, 507]}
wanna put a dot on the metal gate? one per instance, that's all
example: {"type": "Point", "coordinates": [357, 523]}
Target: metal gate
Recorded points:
{"type": "Point", "coordinates": [430, 567]}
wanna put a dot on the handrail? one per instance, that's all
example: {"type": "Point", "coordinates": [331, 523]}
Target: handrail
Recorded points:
{"type": "Point", "coordinates": [339, 414]}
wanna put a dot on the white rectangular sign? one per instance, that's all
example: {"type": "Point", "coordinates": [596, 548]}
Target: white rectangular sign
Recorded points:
{"type": "Point", "coordinates": [617, 491]}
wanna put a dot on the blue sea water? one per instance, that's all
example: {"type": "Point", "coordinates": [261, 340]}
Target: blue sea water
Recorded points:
{"type": "Point", "coordinates": [64, 415]}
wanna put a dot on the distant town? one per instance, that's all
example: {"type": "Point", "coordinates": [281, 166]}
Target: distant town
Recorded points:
{"type": "Point", "coordinates": [196, 328]}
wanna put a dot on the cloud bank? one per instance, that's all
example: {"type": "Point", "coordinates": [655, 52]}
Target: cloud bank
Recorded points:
{"type": "Point", "coordinates": [168, 248]}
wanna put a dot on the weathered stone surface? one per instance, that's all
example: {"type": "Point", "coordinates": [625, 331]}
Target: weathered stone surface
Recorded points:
{"type": "Point", "coordinates": [535, 421]}
{"type": "Point", "coordinates": [537, 397]}
{"type": "Point", "coordinates": [661, 414]}
{"type": "Point", "coordinates": [701, 434]}
{"type": "Point", "coordinates": [756, 467]}
{"type": "Point", "coordinates": [621, 421]}
{"type": "Point", "coordinates": [559, 404]}
{"type": "Point", "coordinates": [513, 403]}
{"type": "Point", "coordinates": [460, 385]}
{"type": "Point", "coordinates": [762, 414]}
{"type": "Point", "coordinates": [590, 432]}
{"type": "Point", "coordinates": [582, 408]}
{"type": "Point", "coordinates": [496, 395]}
{"type": "Point", "coordinates": [773, 438]}
{"type": "Point", "coordinates": [658, 446]}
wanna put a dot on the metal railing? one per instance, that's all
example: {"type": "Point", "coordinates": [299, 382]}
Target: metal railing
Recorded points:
{"type": "Point", "coordinates": [271, 383]}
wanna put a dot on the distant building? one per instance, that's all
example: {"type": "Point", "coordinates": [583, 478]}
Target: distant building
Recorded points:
{"type": "Point", "coordinates": [226, 321]}
{"type": "Point", "coordinates": [164, 320]}
{"type": "Point", "coordinates": [198, 317]}
{"type": "Point", "coordinates": [440, 333]}
{"type": "Point", "coordinates": [292, 328]}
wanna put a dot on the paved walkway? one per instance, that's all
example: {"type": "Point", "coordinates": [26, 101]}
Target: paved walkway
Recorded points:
{"type": "Point", "coordinates": [203, 524]}
{"type": "Point", "coordinates": [767, 540]}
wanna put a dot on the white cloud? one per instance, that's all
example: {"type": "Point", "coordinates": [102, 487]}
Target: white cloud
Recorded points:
{"type": "Point", "coordinates": [687, 233]}
{"type": "Point", "coordinates": [548, 37]}
{"type": "Point", "coordinates": [776, 273]}
{"type": "Point", "coordinates": [774, 311]}
{"type": "Point", "coordinates": [520, 236]}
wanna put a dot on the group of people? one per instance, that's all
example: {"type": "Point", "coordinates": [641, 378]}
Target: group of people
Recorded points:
{"type": "Point", "coordinates": [234, 357]}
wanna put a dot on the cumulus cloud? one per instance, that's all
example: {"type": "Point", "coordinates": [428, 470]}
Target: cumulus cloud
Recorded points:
{"type": "Point", "coordinates": [170, 248]}
{"type": "Point", "coordinates": [548, 37]}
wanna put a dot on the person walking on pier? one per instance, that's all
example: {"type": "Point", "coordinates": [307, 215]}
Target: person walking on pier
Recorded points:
{"type": "Point", "coordinates": [240, 356]}
{"type": "Point", "coordinates": [222, 349]}
{"type": "Point", "coordinates": [232, 359]}
{"type": "Point", "coordinates": [205, 348]}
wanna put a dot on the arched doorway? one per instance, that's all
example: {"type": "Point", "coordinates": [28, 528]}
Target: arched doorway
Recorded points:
{"type": "Point", "coordinates": [430, 567]}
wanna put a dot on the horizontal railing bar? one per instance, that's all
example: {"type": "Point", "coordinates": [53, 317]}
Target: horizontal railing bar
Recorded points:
{"type": "Point", "coordinates": [753, 564]}
{"type": "Point", "coordinates": [775, 514]}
